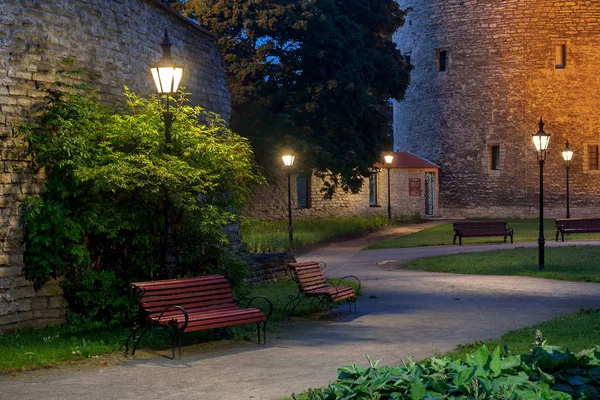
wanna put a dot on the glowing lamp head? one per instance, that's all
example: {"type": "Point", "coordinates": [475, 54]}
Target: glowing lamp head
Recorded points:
{"type": "Point", "coordinates": [567, 154]}
{"type": "Point", "coordinates": [166, 74]}
{"type": "Point", "coordinates": [388, 159]}
{"type": "Point", "coordinates": [288, 160]}
{"type": "Point", "coordinates": [541, 140]}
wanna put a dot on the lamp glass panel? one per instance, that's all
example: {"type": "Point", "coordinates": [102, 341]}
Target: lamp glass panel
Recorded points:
{"type": "Point", "coordinates": [541, 141]}
{"type": "Point", "coordinates": [156, 79]}
{"type": "Point", "coordinates": [177, 75]}
{"type": "Point", "coordinates": [166, 75]}
{"type": "Point", "coordinates": [288, 161]}
{"type": "Point", "coordinates": [567, 155]}
{"type": "Point", "coordinates": [389, 159]}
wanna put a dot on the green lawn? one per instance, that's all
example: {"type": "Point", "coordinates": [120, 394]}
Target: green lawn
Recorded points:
{"type": "Point", "coordinates": [267, 236]}
{"type": "Point", "coordinates": [577, 331]}
{"type": "Point", "coordinates": [571, 263]}
{"type": "Point", "coordinates": [526, 230]}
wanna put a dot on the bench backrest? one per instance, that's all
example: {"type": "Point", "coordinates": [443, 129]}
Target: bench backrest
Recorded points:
{"type": "Point", "coordinates": [481, 226]}
{"type": "Point", "coordinates": [308, 275]}
{"type": "Point", "coordinates": [205, 292]}
{"type": "Point", "coordinates": [579, 223]}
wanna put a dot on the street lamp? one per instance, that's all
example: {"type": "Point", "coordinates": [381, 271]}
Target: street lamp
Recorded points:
{"type": "Point", "coordinates": [567, 156]}
{"type": "Point", "coordinates": [288, 161]}
{"type": "Point", "coordinates": [541, 140]}
{"type": "Point", "coordinates": [167, 76]}
{"type": "Point", "coordinates": [388, 162]}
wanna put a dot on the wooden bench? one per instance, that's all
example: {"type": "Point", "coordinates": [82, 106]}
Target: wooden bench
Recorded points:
{"type": "Point", "coordinates": [481, 228]}
{"type": "Point", "coordinates": [192, 304]}
{"type": "Point", "coordinates": [576, 225]}
{"type": "Point", "coordinates": [312, 285]}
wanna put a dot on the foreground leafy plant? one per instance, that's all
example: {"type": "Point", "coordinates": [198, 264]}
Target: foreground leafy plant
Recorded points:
{"type": "Point", "coordinates": [547, 372]}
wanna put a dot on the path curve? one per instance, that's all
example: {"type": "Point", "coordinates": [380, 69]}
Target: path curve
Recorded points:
{"type": "Point", "coordinates": [401, 313]}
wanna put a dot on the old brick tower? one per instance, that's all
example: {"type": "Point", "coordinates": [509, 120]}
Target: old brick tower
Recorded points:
{"type": "Point", "coordinates": [484, 72]}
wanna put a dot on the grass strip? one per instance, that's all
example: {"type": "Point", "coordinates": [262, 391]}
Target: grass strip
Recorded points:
{"type": "Point", "coordinates": [270, 236]}
{"type": "Point", "coordinates": [576, 331]}
{"type": "Point", "coordinates": [526, 230]}
{"type": "Point", "coordinates": [571, 263]}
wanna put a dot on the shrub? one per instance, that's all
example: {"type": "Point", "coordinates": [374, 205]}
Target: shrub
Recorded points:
{"type": "Point", "coordinates": [99, 219]}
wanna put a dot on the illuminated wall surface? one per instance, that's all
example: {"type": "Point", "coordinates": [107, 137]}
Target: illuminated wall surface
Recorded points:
{"type": "Point", "coordinates": [114, 43]}
{"type": "Point", "coordinates": [507, 63]}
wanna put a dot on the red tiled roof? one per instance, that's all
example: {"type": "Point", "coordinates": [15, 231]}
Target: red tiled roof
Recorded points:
{"type": "Point", "coordinates": [405, 160]}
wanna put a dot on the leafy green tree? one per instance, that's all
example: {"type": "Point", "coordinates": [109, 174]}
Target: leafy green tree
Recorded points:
{"type": "Point", "coordinates": [312, 75]}
{"type": "Point", "coordinates": [99, 219]}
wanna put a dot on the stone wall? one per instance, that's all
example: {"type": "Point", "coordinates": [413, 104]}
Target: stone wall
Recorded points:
{"type": "Point", "coordinates": [268, 267]}
{"type": "Point", "coordinates": [271, 201]}
{"type": "Point", "coordinates": [501, 78]}
{"type": "Point", "coordinates": [114, 43]}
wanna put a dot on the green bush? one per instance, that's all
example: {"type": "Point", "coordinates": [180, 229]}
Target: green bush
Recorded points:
{"type": "Point", "coordinates": [99, 219]}
{"type": "Point", "coordinates": [548, 372]}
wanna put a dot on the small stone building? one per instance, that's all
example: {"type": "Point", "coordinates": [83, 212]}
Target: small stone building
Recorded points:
{"type": "Point", "coordinates": [413, 190]}
{"type": "Point", "coordinates": [113, 43]}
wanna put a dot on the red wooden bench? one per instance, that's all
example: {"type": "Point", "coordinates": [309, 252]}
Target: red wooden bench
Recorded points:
{"type": "Point", "coordinates": [312, 285]}
{"type": "Point", "coordinates": [576, 225]}
{"type": "Point", "coordinates": [192, 304]}
{"type": "Point", "coordinates": [481, 228]}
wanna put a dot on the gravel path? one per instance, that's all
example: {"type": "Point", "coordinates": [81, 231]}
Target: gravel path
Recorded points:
{"type": "Point", "coordinates": [401, 313]}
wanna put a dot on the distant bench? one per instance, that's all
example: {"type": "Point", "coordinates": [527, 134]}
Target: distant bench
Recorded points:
{"type": "Point", "coordinates": [481, 228]}
{"type": "Point", "coordinates": [576, 225]}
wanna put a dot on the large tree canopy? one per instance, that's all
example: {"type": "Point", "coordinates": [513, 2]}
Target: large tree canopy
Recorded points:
{"type": "Point", "coordinates": [313, 76]}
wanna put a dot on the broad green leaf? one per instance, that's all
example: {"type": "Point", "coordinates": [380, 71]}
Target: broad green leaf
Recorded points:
{"type": "Point", "coordinates": [495, 364]}
{"type": "Point", "coordinates": [417, 389]}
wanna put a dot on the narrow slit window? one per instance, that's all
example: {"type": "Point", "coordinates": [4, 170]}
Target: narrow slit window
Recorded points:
{"type": "Point", "coordinates": [442, 60]}
{"type": "Point", "coordinates": [373, 190]}
{"type": "Point", "coordinates": [593, 163]}
{"type": "Point", "coordinates": [303, 191]}
{"type": "Point", "coordinates": [495, 158]}
{"type": "Point", "coordinates": [561, 56]}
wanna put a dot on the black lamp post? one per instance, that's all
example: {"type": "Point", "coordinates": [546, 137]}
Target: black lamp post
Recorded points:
{"type": "Point", "coordinates": [541, 140]}
{"type": "Point", "coordinates": [567, 156]}
{"type": "Point", "coordinates": [167, 76]}
{"type": "Point", "coordinates": [288, 161]}
{"type": "Point", "coordinates": [388, 162]}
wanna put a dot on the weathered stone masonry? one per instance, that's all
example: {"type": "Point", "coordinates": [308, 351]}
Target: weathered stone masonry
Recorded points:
{"type": "Point", "coordinates": [501, 77]}
{"type": "Point", "coordinates": [115, 42]}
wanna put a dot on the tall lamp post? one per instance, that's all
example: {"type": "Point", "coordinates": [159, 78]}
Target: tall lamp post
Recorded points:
{"type": "Point", "coordinates": [541, 140]}
{"type": "Point", "coordinates": [288, 161]}
{"type": "Point", "coordinates": [388, 162]}
{"type": "Point", "coordinates": [167, 76]}
{"type": "Point", "coordinates": [567, 156]}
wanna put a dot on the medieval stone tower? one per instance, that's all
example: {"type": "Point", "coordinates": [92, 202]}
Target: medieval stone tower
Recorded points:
{"type": "Point", "coordinates": [484, 72]}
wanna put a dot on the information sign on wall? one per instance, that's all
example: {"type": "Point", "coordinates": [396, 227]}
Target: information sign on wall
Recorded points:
{"type": "Point", "coordinates": [414, 187]}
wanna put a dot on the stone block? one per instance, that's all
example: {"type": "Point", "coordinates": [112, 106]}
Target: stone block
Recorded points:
{"type": "Point", "coordinates": [57, 302]}
{"type": "Point", "coordinates": [24, 305]}
{"type": "Point", "coordinates": [20, 293]}
{"type": "Point", "coordinates": [16, 318]}
{"type": "Point", "coordinates": [39, 303]}
{"type": "Point", "coordinates": [50, 289]}
{"type": "Point", "coordinates": [48, 314]}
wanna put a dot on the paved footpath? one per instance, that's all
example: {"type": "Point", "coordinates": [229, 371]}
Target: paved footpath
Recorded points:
{"type": "Point", "coordinates": [401, 313]}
